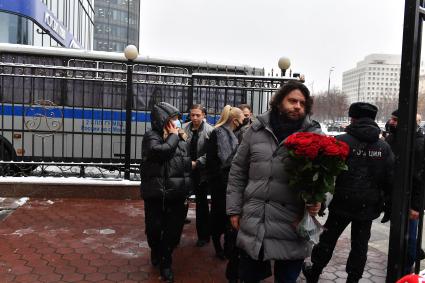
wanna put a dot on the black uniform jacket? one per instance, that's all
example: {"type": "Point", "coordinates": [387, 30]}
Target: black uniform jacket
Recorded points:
{"type": "Point", "coordinates": [360, 191]}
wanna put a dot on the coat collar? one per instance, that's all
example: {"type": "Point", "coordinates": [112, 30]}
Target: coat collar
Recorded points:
{"type": "Point", "coordinates": [263, 121]}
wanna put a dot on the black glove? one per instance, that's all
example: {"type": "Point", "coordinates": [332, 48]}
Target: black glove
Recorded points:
{"type": "Point", "coordinates": [322, 209]}
{"type": "Point", "coordinates": [386, 217]}
{"type": "Point", "coordinates": [387, 210]}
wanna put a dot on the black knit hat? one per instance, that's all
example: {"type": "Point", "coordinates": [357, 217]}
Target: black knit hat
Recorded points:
{"type": "Point", "coordinates": [362, 110]}
{"type": "Point", "coordinates": [395, 113]}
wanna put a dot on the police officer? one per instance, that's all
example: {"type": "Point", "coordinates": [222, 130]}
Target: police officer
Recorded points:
{"type": "Point", "coordinates": [359, 194]}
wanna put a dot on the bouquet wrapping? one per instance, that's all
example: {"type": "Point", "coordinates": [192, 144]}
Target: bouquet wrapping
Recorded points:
{"type": "Point", "coordinates": [316, 161]}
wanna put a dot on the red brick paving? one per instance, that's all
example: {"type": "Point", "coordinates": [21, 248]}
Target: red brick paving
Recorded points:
{"type": "Point", "coordinates": [86, 240]}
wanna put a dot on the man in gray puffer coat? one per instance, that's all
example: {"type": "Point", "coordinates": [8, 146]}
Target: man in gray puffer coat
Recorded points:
{"type": "Point", "coordinates": [259, 201]}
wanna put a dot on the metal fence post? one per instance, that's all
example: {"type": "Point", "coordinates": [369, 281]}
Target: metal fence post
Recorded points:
{"type": "Point", "coordinates": [409, 76]}
{"type": "Point", "coordinates": [128, 111]}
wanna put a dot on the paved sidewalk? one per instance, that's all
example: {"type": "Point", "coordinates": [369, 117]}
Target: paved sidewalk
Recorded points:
{"type": "Point", "coordinates": [85, 240]}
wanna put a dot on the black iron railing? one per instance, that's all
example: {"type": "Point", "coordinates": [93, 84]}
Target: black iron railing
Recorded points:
{"type": "Point", "coordinates": [74, 119]}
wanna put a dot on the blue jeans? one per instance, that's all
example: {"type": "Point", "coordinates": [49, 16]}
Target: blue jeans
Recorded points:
{"type": "Point", "coordinates": [411, 245]}
{"type": "Point", "coordinates": [252, 271]}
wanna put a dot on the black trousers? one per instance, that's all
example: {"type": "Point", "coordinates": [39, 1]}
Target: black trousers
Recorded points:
{"type": "Point", "coordinates": [360, 235]}
{"type": "Point", "coordinates": [218, 209]}
{"type": "Point", "coordinates": [202, 211]}
{"type": "Point", "coordinates": [232, 253]}
{"type": "Point", "coordinates": [253, 271]}
{"type": "Point", "coordinates": [164, 225]}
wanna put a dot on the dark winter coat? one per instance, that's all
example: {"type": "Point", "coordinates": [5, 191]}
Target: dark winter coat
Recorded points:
{"type": "Point", "coordinates": [417, 165]}
{"type": "Point", "coordinates": [204, 132]}
{"type": "Point", "coordinates": [259, 192]}
{"type": "Point", "coordinates": [360, 191]}
{"type": "Point", "coordinates": [221, 147]}
{"type": "Point", "coordinates": [166, 164]}
{"type": "Point", "coordinates": [241, 132]}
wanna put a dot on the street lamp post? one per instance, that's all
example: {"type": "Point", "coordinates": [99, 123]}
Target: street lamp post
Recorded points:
{"type": "Point", "coordinates": [329, 79]}
{"type": "Point", "coordinates": [131, 53]}
{"type": "Point", "coordinates": [284, 63]}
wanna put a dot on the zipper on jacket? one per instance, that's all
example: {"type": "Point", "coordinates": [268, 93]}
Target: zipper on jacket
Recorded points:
{"type": "Point", "coordinates": [165, 184]}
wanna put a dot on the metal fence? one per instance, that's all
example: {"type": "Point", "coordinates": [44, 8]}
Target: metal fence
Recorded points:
{"type": "Point", "coordinates": [71, 120]}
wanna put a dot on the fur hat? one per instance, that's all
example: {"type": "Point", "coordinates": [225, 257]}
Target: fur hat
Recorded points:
{"type": "Point", "coordinates": [362, 110]}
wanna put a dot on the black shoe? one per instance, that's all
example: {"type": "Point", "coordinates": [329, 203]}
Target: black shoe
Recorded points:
{"type": "Point", "coordinates": [352, 280]}
{"type": "Point", "coordinates": [421, 255]}
{"type": "Point", "coordinates": [167, 275]}
{"type": "Point", "coordinates": [155, 257]}
{"type": "Point", "coordinates": [309, 274]}
{"type": "Point", "coordinates": [201, 243]}
{"type": "Point", "coordinates": [187, 221]}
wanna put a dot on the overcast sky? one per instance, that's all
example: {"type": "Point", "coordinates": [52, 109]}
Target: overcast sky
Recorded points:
{"type": "Point", "coordinates": [315, 35]}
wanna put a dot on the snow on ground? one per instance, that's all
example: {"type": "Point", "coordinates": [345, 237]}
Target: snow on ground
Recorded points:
{"type": "Point", "coordinates": [69, 181]}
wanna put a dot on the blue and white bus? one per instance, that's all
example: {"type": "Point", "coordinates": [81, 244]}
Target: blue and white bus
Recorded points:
{"type": "Point", "coordinates": [68, 106]}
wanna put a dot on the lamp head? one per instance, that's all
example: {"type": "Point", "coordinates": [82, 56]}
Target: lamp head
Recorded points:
{"type": "Point", "coordinates": [131, 52]}
{"type": "Point", "coordinates": [284, 63]}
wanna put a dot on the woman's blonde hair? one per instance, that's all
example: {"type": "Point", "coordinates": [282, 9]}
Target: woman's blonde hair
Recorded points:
{"type": "Point", "coordinates": [227, 114]}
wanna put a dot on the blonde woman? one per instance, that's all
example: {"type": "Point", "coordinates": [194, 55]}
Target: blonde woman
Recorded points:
{"type": "Point", "coordinates": [221, 147]}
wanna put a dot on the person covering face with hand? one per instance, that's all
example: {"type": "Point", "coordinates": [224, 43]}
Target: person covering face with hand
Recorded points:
{"type": "Point", "coordinates": [165, 185]}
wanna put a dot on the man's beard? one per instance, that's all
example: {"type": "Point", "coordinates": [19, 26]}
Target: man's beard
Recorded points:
{"type": "Point", "coordinates": [292, 115]}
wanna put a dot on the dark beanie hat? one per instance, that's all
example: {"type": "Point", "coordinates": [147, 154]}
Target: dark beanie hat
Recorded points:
{"type": "Point", "coordinates": [395, 113]}
{"type": "Point", "coordinates": [362, 110]}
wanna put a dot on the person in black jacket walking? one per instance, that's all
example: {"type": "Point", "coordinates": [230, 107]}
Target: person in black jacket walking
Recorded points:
{"type": "Point", "coordinates": [198, 132]}
{"type": "Point", "coordinates": [416, 185]}
{"type": "Point", "coordinates": [165, 185]}
{"type": "Point", "coordinates": [359, 194]}
{"type": "Point", "coordinates": [221, 147]}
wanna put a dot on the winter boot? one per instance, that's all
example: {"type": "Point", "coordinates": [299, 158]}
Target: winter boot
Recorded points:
{"type": "Point", "coordinates": [311, 275]}
{"type": "Point", "coordinates": [155, 257]}
{"type": "Point", "coordinates": [353, 277]}
{"type": "Point", "coordinates": [219, 252]}
{"type": "Point", "coordinates": [352, 280]}
{"type": "Point", "coordinates": [167, 275]}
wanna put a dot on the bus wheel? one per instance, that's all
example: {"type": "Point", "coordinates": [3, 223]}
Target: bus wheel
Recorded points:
{"type": "Point", "coordinates": [7, 153]}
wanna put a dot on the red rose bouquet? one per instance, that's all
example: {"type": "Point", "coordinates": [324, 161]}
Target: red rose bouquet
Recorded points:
{"type": "Point", "coordinates": [316, 162]}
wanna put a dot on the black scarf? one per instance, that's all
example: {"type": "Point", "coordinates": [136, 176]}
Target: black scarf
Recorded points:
{"type": "Point", "coordinates": [282, 126]}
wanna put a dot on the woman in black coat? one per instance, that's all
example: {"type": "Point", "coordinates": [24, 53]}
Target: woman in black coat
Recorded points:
{"type": "Point", "coordinates": [220, 149]}
{"type": "Point", "coordinates": [165, 185]}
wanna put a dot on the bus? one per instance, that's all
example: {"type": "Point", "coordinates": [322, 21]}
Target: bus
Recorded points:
{"type": "Point", "coordinates": [68, 107]}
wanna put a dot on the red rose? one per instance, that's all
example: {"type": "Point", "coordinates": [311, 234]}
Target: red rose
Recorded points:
{"type": "Point", "coordinates": [332, 149]}
{"type": "Point", "coordinates": [326, 141]}
{"type": "Point", "coordinates": [311, 151]}
{"type": "Point", "coordinates": [344, 149]}
{"type": "Point", "coordinates": [300, 139]}
{"type": "Point", "coordinates": [304, 144]}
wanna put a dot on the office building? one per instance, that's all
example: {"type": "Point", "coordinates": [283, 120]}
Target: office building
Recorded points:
{"type": "Point", "coordinates": [116, 24]}
{"type": "Point", "coordinates": [376, 79]}
{"type": "Point", "coordinates": [67, 23]}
